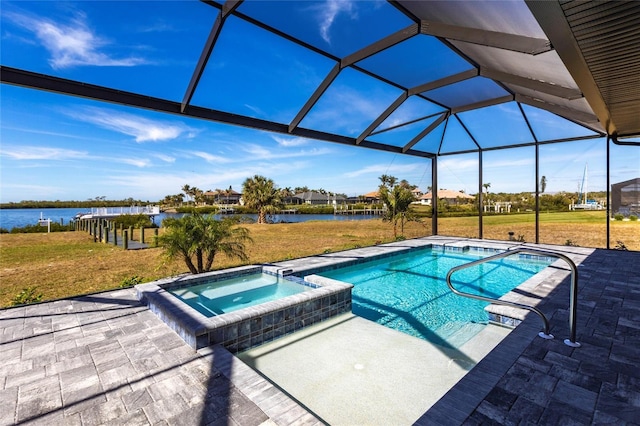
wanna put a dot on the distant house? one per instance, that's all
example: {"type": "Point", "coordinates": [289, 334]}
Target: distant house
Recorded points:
{"type": "Point", "coordinates": [316, 198]}
{"type": "Point", "coordinates": [625, 197]}
{"type": "Point", "coordinates": [449, 196]}
{"type": "Point", "coordinates": [370, 197]}
{"type": "Point", "coordinates": [223, 197]}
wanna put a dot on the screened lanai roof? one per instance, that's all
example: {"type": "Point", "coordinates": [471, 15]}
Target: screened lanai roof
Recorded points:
{"type": "Point", "coordinates": [440, 77]}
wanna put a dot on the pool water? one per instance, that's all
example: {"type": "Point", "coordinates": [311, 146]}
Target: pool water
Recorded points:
{"type": "Point", "coordinates": [231, 294]}
{"type": "Point", "coordinates": [409, 292]}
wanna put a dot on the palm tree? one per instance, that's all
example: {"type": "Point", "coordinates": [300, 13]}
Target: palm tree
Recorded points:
{"type": "Point", "coordinates": [486, 188]}
{"type": "Point", "coordinates": [198, 238]}
{"type": "Point", "coordinates": [198, 195]}
{"type": "Point", "coordinates": [397, 197]}
{"type": "Point", "coordinates": [261, 194]}
{"type": "Point", "coordinates": [187, 191]}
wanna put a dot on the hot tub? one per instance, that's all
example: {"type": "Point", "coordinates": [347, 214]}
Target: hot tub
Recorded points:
{"type": "Point", "coordinates": [207, 322]}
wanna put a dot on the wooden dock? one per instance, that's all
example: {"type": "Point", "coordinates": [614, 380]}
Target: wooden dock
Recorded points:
{"type": "Point", "coordinates": [370, 212]}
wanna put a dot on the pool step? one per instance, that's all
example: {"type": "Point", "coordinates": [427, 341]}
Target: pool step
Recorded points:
{"type": "Point", "coordinates": [457, 333]}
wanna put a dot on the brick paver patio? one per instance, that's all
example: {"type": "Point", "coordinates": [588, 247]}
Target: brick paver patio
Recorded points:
{"type": "Point", "coordinates": [106, 359]}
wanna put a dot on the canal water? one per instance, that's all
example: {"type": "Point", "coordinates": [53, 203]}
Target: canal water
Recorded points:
{"type": "Point", "coordinates": [17, 218]}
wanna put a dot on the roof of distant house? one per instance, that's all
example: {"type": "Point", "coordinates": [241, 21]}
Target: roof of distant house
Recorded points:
{"type": "Point", "coordinates": [447, 193]}
{"type": "Point", "coordinates": [372, 194]}
{"type": "Point", "coordinates": [315, 196]}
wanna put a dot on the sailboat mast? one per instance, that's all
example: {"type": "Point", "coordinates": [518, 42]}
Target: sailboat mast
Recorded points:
{"type": "Point", "coordinates": [586, 187]}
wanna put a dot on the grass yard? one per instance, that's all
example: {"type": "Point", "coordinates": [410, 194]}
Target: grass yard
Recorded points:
{"type": "Point", "coordinates": [70, 263]}
{"type": "Point", "coordinates": [64, 264]}
{"type": "Point", "coordinates": [582, 228]}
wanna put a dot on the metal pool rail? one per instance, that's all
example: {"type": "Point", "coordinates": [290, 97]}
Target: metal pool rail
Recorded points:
{"type": "Point", "coordinates": [573, 302]}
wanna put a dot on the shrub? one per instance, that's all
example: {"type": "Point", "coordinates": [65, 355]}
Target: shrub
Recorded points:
{"type": "Point", "coordinates": [317, 209]}
{"type": "Point", "coordinates": [26, 296]}
{"type": "Point", "coordinates": [620, 246]}
{"type": "Point", "coordinates": [618, 216]}
{"type": "Point", "coordinates": [633, 218]}
{"type": "Point", "coordinates": [571, 243]}
{"type": "Point", "coordinates": [130, 282]}
{"type": "Point", "coordinates": [134, 220]}
{"type": "Point", "coordinates": [35, 229]}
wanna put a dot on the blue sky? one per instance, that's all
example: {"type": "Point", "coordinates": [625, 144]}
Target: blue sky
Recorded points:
{"type": "Point", "coordinates": [60, 147]}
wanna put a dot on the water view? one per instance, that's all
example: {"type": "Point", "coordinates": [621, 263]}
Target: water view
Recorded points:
{"type": "Point", "coordinates": [17, 218]}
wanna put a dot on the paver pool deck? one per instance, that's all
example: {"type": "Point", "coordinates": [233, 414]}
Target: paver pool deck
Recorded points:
{"type": "Point", "coordinates": [106, 359]}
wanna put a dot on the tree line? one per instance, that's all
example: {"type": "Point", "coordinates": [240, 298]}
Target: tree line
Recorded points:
{"type": "Point", "coordinates": [92, 202]}
{"type": "Point", "coordinates": [192, 195]}
{"type": "Point", "coordinates": [197, 238]}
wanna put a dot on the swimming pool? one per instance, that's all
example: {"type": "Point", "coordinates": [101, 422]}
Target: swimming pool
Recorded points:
{"type": "Point", "coordinates": [409, 293]}
{"type": "Point", "coordinates": [219, 297]}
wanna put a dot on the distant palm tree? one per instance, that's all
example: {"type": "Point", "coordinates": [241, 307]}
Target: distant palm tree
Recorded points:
{"type": "Point", "coordinates": [187, 191]}
{"type": "Point", "coordinates": [486, 189]}
{"type": "Point", "coordinates": [261, 194]}
{"type": "Point", "coordinates": [397, 197]}
{"type": "Point", "coordinates": [198, 195]}
{"type": "Point", "coordinates": [198, 238]}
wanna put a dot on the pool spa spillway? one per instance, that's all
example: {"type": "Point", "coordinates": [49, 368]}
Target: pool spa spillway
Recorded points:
{"type": "Point", "coordinates": [243, 307]}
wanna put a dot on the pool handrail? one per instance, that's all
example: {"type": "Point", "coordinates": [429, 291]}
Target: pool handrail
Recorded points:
{"type": "Point", "coordinates": [573, 305]}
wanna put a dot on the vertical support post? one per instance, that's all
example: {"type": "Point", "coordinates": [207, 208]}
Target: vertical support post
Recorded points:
{"type": "Point", "coordinates": [142, 234]}
{"type": "Point", "coordinates": [434, 195]}
{"type": "Point", "coordinates": [115, 236]}
{"type": "Point", "coordinates": [537, 193]}
{"type": "Point", "coordinates": [105, 232]}
{"type": "Point", "coordinates": [131, 233]}
{"type": "Point", "coordinates": [155, 237]}
{"type": "Point", "coordinates": [125, 240]}
{"type": "Point", "coordinates": [608, 192]}
{"type": "Point", "coordinates": [480, 198]}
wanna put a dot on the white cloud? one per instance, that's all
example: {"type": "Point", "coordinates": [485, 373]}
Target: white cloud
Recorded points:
{"type": "Point", "coordinates": [135, 162]}
{"type": "Point", "coordinates": [142, 129]}
{"type": "Point", "coordinates": [159, 26]}
{"type": "Point", "coordinates": [42, 153]}
{"type": "Point", "coordinates": [210, 158]}
{"type": "Point", "coordinates": [386, 169]}
{"type": "Point", "coordinates": [165, 158]}
{"type": "Point", "coordinates": [259, 152]}
{"type": "Point", "coordinates": [289, 141]}
{"type": "Point", "coordinates": [156, 186]}
{"type": "Point", "coordinates": [328, 13]}
{"type": "Point", "coordinates": [347, 110]}
{"type": "Point", "coordinates": [71, 44]}
{"type": "Point", "coordinates": [458, 164]}
{"type": "Point", "coordinates": [510, 163]}
{"type": "Point", "coordinates": [257, 111]}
